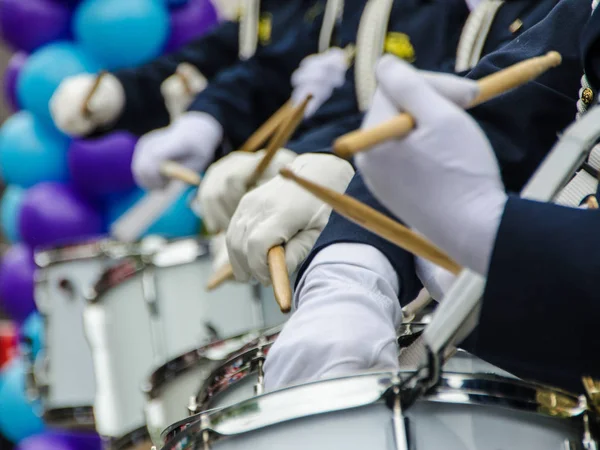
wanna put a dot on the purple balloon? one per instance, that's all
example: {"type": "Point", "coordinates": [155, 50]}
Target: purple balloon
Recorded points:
{"type": "Point", "coordinates": [27, 25]}
{"type": "Point", "coordinates": [103, 166]}
{"type": "Point", "coordinates": [190, 21]}
{"type": "Point", "coordinates": [61, 440]}
{"type": "Point", "coordinates": [15, 64]}
{"type": "Point", "coordinates": [17, 270]}
{"type": "Point", "coordinates": [54, 213]}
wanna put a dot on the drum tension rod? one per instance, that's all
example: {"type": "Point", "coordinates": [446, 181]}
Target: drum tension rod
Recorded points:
{"type": "Point", "coordinates": [399, 422]}
{"type": "Point", "coordinates": [205, 427]}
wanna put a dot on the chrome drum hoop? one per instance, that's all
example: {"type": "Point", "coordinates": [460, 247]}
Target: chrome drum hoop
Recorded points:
{"type": "Point", "coordinates": [362, 390]}
{"type": "Point", "coordinates": [79, 418]}
{"type": "Point", "coordinates": [209, 354]}
{"type": "Point", "coordinates": [128, 442]}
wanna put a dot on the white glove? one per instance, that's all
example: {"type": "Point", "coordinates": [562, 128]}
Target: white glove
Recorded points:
{"type": "Point", "coordinates": [218, 252]}
{"type": "Point", "coordinates": [319, 75]}
{"type": "Point", "coordinates": [443, 178]}
{"type": "Point", "coordinates": [181, 88]}
{"type": "Point", "coordinates": [190, 140]}
{"type": "Point", "coordinates": [435, 279]}
{"type": "Point", "coordinates": [345, 322]}
{"type": "Point", "coordinates": [105, 105]}
{"type": "Point", "coordinates": [280, 212]}
{"type": "Point", "coordinates": [224, 184]}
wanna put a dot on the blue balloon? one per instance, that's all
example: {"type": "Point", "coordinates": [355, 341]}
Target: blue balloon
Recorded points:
{"type": "Point", "coordinates": [31, 152]}
{"type": "Point", "coordinates": [122, 33]}
{"type": "Point", "coordinates": [18, 418]}
{"type": "Point", "coordinates": [44, 71]}
{"type": "Point", "coordinates": [177, 221]}
{"type": "Point", "coordinates": [10, 206]}
{"type": "Point", "coordinates": [32, 333]}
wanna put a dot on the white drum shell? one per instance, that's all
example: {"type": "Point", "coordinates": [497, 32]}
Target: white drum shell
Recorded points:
{"type": "Point", "coordinates": [68, 371]}
{"type": "Point", "coordinates": [159, 313]}
{"type": "Point", "coordinates": [351, 414]}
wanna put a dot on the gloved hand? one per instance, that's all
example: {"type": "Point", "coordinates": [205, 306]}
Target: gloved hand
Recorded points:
{"type": "Point", "coordinates": [345, 322]}
{"type": "Point", "coordinates": [218, 252]}
{"type": "Point", "coordinates": [190, 140]}
{"type": "Point", "coordinates": [435, 279]}
{"type": "Point", "coordinates": [105, 106]}
{"type": "Point", "coordinates": [319, 75]}
{"type": "Point", "coordinates": [281, 212]}
{"type": "Point", "coordinates": [224, 184]}
{"type": "Point", "coordinates": [181, 88]}
{"type": "Point", "coordinates": [443, 178]}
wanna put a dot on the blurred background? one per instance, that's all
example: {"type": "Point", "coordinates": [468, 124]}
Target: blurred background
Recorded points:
{"type": "Point", "coordinates": [41, 43]}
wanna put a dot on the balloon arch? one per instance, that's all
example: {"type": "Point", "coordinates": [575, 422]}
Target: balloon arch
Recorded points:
{"type": "Point", "coordinates": [58, 189]}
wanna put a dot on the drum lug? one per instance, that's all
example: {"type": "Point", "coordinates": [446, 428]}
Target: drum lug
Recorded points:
{"type": "Point", "coordinates": [205, 427]}
{"type": "Point", "coordinates": [399, 422]}
{"type": "Point", "coordinates": [259, 387]}
{"type": "Point", "coordinates": [589, 443]}
{"type": "Point", "coordinates": [192, 406]}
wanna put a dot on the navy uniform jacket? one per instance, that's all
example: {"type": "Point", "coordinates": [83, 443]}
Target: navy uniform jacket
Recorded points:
{"type": "Point", "coordinates": [433, 28]}
{"type": "Point", "coordinates": [145, 106]}
{"type": "Point", "coordinates": [243, 97]}
{"type": "Point", "coordinates": [212, 53]}
{"type": "Point", "coordinates": [542, 281]}
{"type": "Point", "coordinates": [542, 285]}
{"type": "Point", "coordinates": [522, 124]}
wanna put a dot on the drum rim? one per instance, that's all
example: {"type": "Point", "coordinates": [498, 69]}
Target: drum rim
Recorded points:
{"type": "Point", "coordinates": [71, 418]}
{"type": "Point", "coordinates": [246, 353]}
{"type": "Point", "coordinates": [127, 440]}
{"type": "Point", "coordinates": [181, 364]}
{"type": "Point", "coordinates": [105, 284]}
{"type": "Point", "coordinates": [202, 398]}
{"type": "Point", "coordinates": [92, 247]}
{"type": "Point", "coordinates": [145, 260]}
{"type": "Point", "coordinates": [218, 417]}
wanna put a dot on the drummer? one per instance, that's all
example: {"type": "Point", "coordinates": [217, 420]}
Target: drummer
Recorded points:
{"type": "Point", "coordinates": [332, 113]}
{"type": "Point", "coordinates": [346, 297]}
{"type": "Point", "coordinates": [537, 257]}
{"type": "Point", "coordinates": [131, 99]}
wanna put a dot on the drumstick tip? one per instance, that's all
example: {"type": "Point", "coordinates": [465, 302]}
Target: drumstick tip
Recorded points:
{"type": "Point", "coordinates": [554, 58]}
{"type": "Point", "coordinates": [286, 172]}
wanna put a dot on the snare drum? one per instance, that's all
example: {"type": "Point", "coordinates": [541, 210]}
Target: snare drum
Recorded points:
{"type": "Point", "coordinates": [170, 387]}
{"type": "Point", "coordinates": [63, 375]}
{"type": "Point", "coordinates": [136, 440]}
{"type": "Point", "coordinates": [149, 309]}
{"type": "Point", "coordinates": [465, 412]}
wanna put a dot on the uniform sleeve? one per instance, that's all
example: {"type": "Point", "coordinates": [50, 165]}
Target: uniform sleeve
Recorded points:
{"type": "Point", "coordinates": [542, 286]}
{"type": "Point", "coordinates": [590, 49]}
{"type": "Point", "coordinates": [245, 96]}
{"type": "Point", "coordinates": [145, 106]}
{"type": "Point", "coordinates": [523, 124]}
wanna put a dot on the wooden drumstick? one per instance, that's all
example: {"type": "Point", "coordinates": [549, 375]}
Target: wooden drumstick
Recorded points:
{"type": "Point", "coordinates": [276, 256]}
{"type": "Point", "coordinates": [85, 107]}
{"type": "Point", "coordinates": [222, 275]}
{"type": "Point", "coordinates": [176, 171]}
{"type": "Point", "coordinates": [184, 80]}
{"type": "Point", "coordinates": [283, 134]}
{"type": "Point", "coordinates": [266, 130]}
{"type": "Point", "coordinates": [491, 86]}
{"type": "Point", "coordinates": [377, 223]}
{"type": "Point", "coordinates": [280, 278]}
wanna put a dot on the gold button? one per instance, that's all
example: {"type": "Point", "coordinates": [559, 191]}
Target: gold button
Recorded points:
{"type": "Point", "coordinates": [587, 96]}
{"type": "Point", "coordinates": [515, 26]}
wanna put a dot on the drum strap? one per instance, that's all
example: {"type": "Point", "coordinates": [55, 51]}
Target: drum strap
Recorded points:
{"type": "Point", "coordinates": [369, 48]}
{"type": "Point", "coordinates": [583, 184]}
{"type": "Point", "coordinates": [475, 33]}
{"type": "Point", "coordinates": [333, 13]}
{"type": "Point", "coordinates": [248, 34]}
